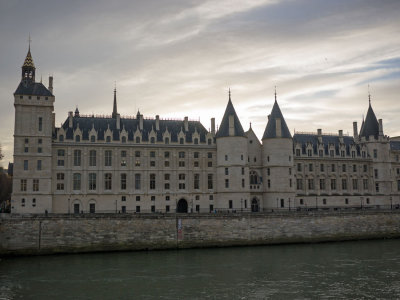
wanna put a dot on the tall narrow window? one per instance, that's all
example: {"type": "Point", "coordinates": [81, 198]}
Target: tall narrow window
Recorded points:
{"type": "Point", "coordinates": [107, 181]}
{"type": "Point", "coordinates": [92, 158]}
{"type": "Point", "coordinates": [137, 181]}
{"type": "Point", "coordinates": [152, 181]}
{"type": "Point", "coordinates": [77, 158]}
{"type": "Point", "coordinates": [92, 181]}
{"type": "Point", "coordinates": [23, 185]}
{"type": "Point", "coordinates": [197, 181]}
{"type": "Point", "coordinates": [210, 181]}
{"type": "Point", "coordinates": [123, 181]}
{"type": "Point", "coordinates": [107, 158]}
{"type": "Point", "coordinates": [40, 123]}
{"type": "Point", "coordinates": [76, 182]}
{"type": "Point", "coordinates": [39, 165]}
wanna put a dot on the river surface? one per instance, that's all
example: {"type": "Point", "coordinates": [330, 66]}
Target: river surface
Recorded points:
{"type": "Point", "coordinates": [347, 270]}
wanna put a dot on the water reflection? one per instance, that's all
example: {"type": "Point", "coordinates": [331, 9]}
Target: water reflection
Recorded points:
{"type": "Point", "coordinates": [366, 269]}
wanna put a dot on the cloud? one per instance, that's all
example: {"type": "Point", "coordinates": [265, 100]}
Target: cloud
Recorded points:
{"type": "Point", "coordinates": [176, 58]}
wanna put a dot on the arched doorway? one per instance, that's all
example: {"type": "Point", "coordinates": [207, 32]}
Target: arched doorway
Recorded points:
{"type": "Point", "coordinates": [182, 206]}
{"type": "Point", "coordinates": [254, 205]}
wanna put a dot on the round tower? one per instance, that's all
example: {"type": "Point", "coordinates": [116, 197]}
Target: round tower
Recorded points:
{"type": "Point", "coordinates": [232, 167]}
{"type": "Point", "coordinates": [277, 156]}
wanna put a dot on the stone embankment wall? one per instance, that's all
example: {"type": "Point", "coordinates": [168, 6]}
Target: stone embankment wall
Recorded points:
{"type": "Point", "coordinates": [21, 235]}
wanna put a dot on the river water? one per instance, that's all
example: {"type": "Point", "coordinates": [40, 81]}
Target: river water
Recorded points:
{"type": "Point", "coordinates": [356, 270]}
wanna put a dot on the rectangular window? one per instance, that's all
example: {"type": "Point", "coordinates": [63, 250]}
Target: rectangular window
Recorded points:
{"type": "Point", "coordinates": [196, 164]}
{"type": "Point", "coordinates": [138, 209]}
{"type": "Point", "coordinates": [77, 158]}
{"type": "Point", "coordinates": [365, 184]}
{"type": "Point", "coordinates": [137, 182]}
{"type": "Point", "coordinates": [242, 171]}
{"type": "Point", "coordinates": [354, 168]}
{"type": "Point", "coordinates": [123, 181]}
{"type": "Point", "coordinates": [321, 153]}
{"type": "Point", "coordinates": [355, 184]}
{"type": "Point", "coordinates": [196, 181]}
{"type": "Point", "coordinates": [196, 154]}
{"type": "Point", "coordinates": [167, 208]}
{"type": "Point", "coordinates": [333, 184]}
{"type": "Point", "coordinates": [76, 181]}
{"type": "Point", "coordinates": [107, 158]}
{"type": "Point", "coordinates": [39, 165]}
{"type": "Point", "coordinates": [181, 163]}
{"type": "Point", "coordinates": [152, 154]}
{"type": "Point", "coordinates": [181, 154]}
{"type": "Point", "coordinates": [40, 123]}
{"type": "Point", "coordinates": [375, 153]}
{"type": "Point", "coordinates": [377, 187]}
{"type": "Point", "coordinates": [166, 163]}
{"type": "Point", "coordinates": [210, 181]}
{"type": "Point", "coordinates": [167, 198]}
{"type": "Point", "coordinates": [60, 176]}
{"type": "Point", "coordinates": [343, 168]}
{"type": "Point", "coordinates": [299, 167]}
{"type": "Point", "coordinates": [26, 149]}
{"type": "Point", "coordinates": [344, 184]}
{"type": "Point", "coordinates": [107, 181]}
{"type": "Point", "coordinates": [197, 208]}
{"type": "Point", "coordinates": [226, 171]}
{"type": "Point", "coordinates": [25, 165]}
{"type": "Point", "coordinates": [137, 153]}
{"type": "Point", "coordinates": [181, 176]}
{"type": "Point", "coordinates": [226, 183]}
{"type": "Point", "coordinates": [60, 186]}
{"type": "Point", "coordinates": [137, 198]}
{"type": "Point", "coordinates": [299, 183]}
{"type": "Point", "coordinates": [321, 167]}
{"type": "Point", "coordinates": [166, 154]}
{"type": "Point", "coordinates": [23, 185]}
{"type": "Point", "coordinates": [181, 185]}
{"type": "Point", "coordinates": [331, 153]}
{"type": "Point", "coordinates": [243, 183]}
{"type": "Point", "coordinates": [310, 167]}
{"type": "Point", "coordinates": [152, 181]}
{"type": "Point", "coordinates": [60, 163]}
{"type": "Point", "coordinates": [310, 184]}
{"type": "Point", "coordinates": [333, 169]}
{"type": "Point", "coordinates": [322, 184]}
{"type": "Point", "coordinates": [209, 164]}
{"type": "Point", "coordinates": [92, 181]}
{"type": "Point", "coordinates": [167, 186]}
{"type": "Point", "coordinates": [152, 163]}
{"type": "Point", "coordinates": [309, 152]}
{"type": "Point", "coordinates": [297, 152]}
{"type": "Point", "coordinates": [226, 157]}
{"type": "Point", "coordinates": [209, 155]}
{"type": "Point", "coordinates": [39, 149]}
{"type": "Point", "coordinates": [92, 158]}
{"type": "Point", "coordinates": [376, 173]}
{"type": "Point", "coordinates": [231, 204]}
{"type": "Point", "coordinates": [398, 185]}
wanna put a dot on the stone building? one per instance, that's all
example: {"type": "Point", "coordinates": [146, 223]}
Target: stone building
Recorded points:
{"type": "Point", "coordinates": [136, 164]}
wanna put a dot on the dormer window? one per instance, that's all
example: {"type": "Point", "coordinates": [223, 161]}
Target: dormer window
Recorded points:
{"type": "Point", "coordinates": [152, 140]}
{"type": "Point", "coordinates": [209, 141]}
{"type": "Point", "coordinates": [92, 138]}
{"type": "Point", "coordinates": [61, 138]}
{"type": "Point", "coordinates": [196, 141]}
{"type": "Point", "coordinates": [167, 141]}
{"type": "Point", "coordinates": [108, 139]}
{"type": "Point", "coordinates": [77, 138]}
{"type": "Point", "coordinates": [124, 139]}
{"type": "Point", "coordinates": [181, 141]}
{"type": "Point", "coordinates": [137, 140]}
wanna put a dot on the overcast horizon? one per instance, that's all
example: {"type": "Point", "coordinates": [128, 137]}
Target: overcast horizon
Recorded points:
{"type": "Point", "coordinates": [179, 58]}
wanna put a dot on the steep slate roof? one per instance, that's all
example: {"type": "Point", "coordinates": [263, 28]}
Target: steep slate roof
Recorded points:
{"type": "Point", "coordinates": [270, 129]}
{"type": "Point", "coordinates": [395, 145]}
{"type": "Point", "coordinates": [371, 125]}
{"type": "Point", "coordinates": [130, 125]}
{"type": "Point", "coordinates": [223, 130]}
{"type": "Point", "coordinates": [34, 89]}
{"type": "Point", "coordinates": [28, 60]}
{"type": "Point", "coordinates": [304, 139]}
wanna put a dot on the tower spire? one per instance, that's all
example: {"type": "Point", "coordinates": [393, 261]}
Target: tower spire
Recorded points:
{"type": "Point", "coordinates": [28, 68]}
{"type": "Point", "coordinates": [275, 93]}
{"type": "Point", "coordinates": [369, 96]}
{"type": "Point", "coordinates": [114, 113]}
{"type": "Point", "coordinates": [229, 94]}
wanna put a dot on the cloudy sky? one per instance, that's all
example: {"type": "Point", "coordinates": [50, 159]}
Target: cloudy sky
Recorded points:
{"type": "Point", "coordinates": [178, 58]}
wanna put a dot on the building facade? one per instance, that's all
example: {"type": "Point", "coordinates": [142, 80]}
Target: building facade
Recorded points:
{"type": "Point", "coordinates": [135, 164]}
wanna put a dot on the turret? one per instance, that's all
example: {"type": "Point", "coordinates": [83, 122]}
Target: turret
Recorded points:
{"type": "Point", "coordinates": [277, 155]}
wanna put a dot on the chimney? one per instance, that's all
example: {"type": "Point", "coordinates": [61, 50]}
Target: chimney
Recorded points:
{"type": "Point", "coordinates": [51, 84]}
{"type": "Point", "coordinates": [157, 123]}
{"type": "Point", "coordinates": [319, 132]}
{"type": "Point", "coordinates": [355, 131]}
{"type": "Point", "coordinates": [141, 122]}
{"type": "Point", "coordinates": [340, 133]}
{"type": "Point", "coordinates": [278, 127]}
{"type": "Point", "coordinates": [70, 119]}
{"type": "Point", "coordinates": [118, 122]}
{"type": "Point", "coordinates": [231, 125]}
{"type": "Point", "coordinates": [380, 127]}
{"type": "Point", "coordinates": [213, 126]}
{"type": "Point", "coordinates": [186, 124]}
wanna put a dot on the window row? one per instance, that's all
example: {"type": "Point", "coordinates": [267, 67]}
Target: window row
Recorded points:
{"type": "Point", "coordinates": [332, 167]}
{"type": "Point", "coordinates": [333, 186]}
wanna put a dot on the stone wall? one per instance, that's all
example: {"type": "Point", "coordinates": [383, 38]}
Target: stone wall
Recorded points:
{"type": "Point", "coordinates": [21, 235]}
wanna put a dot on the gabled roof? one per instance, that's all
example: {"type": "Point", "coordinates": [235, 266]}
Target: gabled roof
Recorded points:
{"type": "Point", "coordinates": [32, 88]}
{"type": "Point", "coordinates": [371, 125]}
{"type": "Point", "coordinates": [270, 129]}
{"type": "Point", "coordinates": [223, 130]}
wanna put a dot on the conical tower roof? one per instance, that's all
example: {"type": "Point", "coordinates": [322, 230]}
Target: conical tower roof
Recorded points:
{"type": "Point", "coordinates": [29, 60]}
{"type": "Point", "coordinates": [370, 125]}
{"type": "Point", "coordinates": [270, 129]}
{"type": "Point", "coordinates": [223, 130]}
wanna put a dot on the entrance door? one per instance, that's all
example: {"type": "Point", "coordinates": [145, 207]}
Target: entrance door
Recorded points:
{"type": "Point", "coordinates": [76, 208]}
{"type": "Point", "coordinates": [182, 206]}
{"type": "Point", "coordinates": [254, 205]}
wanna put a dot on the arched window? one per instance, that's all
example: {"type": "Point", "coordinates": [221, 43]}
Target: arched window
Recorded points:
{"type": "Point", "coordinates": [137, 140]}
{"type": "Point", "coordinates": [124, 139]}
{"type": "Point", "coordinates": [254, 178]}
